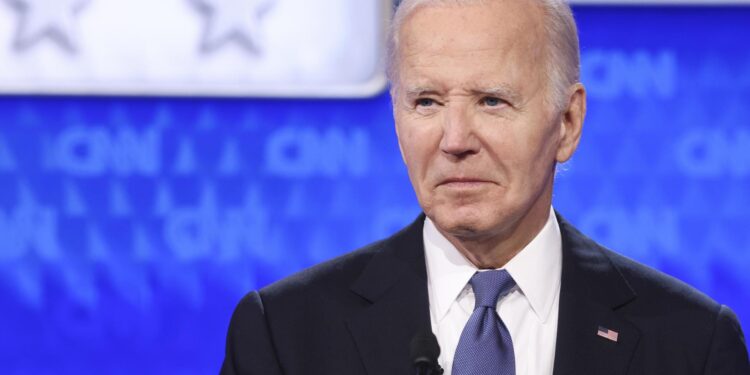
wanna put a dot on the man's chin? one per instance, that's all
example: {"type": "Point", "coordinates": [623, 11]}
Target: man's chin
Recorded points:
{"type": "Point", "coordinates": [460, 222]}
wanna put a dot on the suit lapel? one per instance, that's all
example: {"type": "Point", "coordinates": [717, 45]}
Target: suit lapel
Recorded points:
{"type": "Point", "coordinates": [395, 284]}
{"type": "Point", "coordinates": [592, 290]}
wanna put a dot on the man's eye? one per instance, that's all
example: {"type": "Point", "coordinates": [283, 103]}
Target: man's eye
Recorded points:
{"type": "Point", "coordinates": [425, 102]}
{"type": "Point", "coordinates": [491, 102]}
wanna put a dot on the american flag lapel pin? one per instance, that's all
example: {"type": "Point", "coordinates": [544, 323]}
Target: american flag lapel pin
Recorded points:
{"type": "Point", "coordinates": [607, 334]}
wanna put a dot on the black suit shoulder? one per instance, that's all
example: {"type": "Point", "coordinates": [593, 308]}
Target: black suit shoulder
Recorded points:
{"type": "Point", "coordinates": [335, 275]}
{"type": "Point", "coordinates": [296, 321]}
{"type": "Point", "coordinates": [338, 277]}
{"type": "Point", "coordinates": [663, 293]}
{"type": "Point", "coordinates": [678, 321]}
{"type": "Point", "coordinates": [301, 324]}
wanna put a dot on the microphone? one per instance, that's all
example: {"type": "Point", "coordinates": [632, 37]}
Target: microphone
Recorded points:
{"type": "Point", "coordinates": [425, 350]}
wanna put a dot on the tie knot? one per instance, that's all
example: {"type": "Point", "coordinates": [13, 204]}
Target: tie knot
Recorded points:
{"type": "Point", "coordinates": [488, 286]}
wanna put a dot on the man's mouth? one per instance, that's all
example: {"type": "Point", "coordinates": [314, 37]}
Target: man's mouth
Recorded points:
{"type": "Point", "coordinates": [463, 182]}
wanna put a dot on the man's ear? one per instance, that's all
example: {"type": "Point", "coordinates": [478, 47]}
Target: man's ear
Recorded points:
{"type": "Point", "coordinates": [571, 123]}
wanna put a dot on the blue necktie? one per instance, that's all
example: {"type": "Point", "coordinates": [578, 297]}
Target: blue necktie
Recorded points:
{"type": "Point", "coordinates": [485, 346]}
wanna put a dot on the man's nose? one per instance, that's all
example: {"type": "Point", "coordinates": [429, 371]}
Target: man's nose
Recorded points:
{"type": "Point", "coordinates": [459, 139]}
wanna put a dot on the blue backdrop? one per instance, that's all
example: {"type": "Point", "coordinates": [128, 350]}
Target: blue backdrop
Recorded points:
{"type": "Point", "coordinates": [130, 227]}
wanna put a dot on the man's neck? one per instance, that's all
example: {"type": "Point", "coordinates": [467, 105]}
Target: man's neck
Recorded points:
{"type": "Point", "coordinates": [495, 250]}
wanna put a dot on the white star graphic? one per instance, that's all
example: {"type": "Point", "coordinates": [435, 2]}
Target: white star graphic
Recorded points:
{"type": "Point", "coordinates": [232, 20]}
{"type": "Point", "coordinates": [53, 19]}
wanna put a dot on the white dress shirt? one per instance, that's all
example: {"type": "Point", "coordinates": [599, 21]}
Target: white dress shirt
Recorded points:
{"type": "Point", "coordinates": [529, 311]}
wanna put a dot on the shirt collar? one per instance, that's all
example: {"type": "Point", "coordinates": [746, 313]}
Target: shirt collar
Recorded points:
{"type": "Point", "coordinates": [536, 269]}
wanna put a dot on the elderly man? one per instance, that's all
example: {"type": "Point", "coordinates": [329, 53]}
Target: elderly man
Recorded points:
{"type": "Point", "coordinates": [487, 101]}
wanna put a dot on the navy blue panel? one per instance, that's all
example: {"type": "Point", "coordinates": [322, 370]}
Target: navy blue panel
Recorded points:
{"type": "Point", "coordinates": [129, 227]}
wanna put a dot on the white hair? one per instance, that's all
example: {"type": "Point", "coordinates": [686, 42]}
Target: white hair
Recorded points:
{"type": "Point", "coordinates": [562, 55]}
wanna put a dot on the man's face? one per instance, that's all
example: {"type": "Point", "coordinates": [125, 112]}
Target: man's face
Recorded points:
{"type": "Point", "coordinates": [478, 136]}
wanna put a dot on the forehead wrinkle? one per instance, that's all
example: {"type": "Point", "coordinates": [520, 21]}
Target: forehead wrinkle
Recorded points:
{"type": "Point", "coordinates": [418, 91]}
{"type": "Point", "coordinates": [503, 90]}
{"type": "Point", "coordinates": [422, 85]}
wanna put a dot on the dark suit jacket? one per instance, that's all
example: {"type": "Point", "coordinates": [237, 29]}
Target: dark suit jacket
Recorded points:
{"type": "Point", "coordinates": [357, 314]}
